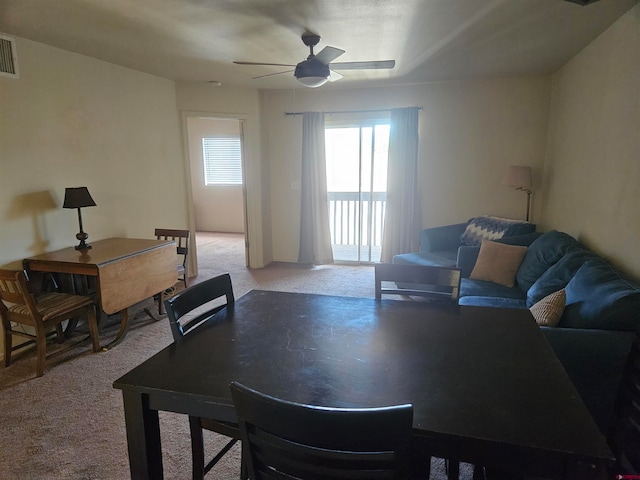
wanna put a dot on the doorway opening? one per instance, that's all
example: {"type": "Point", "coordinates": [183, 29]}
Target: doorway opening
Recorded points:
{"type": "Point", "coordinates": [216, 156]}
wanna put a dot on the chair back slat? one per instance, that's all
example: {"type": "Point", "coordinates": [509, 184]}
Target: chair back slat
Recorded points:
{"type": "Point", "coordinates": [418, 280]}
{"type": "Point", "coordinates": [181, 237]}
{"type": "Point", "coordinates": [14, 289]}
{"type": "Point", "coordinates": [283, 439]}
{"type": "Point", "coordinates": [194, 298]}
{"type": "Point", "coordinates": [10, 288]}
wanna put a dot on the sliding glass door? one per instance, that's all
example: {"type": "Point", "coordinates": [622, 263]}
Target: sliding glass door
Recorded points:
{"type": "Point", "coordinates": [356, 154]}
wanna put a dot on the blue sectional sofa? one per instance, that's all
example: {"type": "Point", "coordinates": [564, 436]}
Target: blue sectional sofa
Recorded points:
{"type": "Point", "coordinates": [439, 245]}
{"type": "Point", "coordinates": [601, 317]}
{"type": "Point", "coordinates": [600, 321]}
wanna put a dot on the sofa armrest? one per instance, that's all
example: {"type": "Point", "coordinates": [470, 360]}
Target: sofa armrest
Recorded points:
{"type": "Point", "coordinates": [446, 237]}
{"type": "Point", "coordinates": [467, 256]}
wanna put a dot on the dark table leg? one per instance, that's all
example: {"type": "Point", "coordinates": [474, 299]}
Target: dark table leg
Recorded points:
{"type": "Point", "coordinates": [453, 469]}
{"type": "Point", "coordinates": [143, 437]}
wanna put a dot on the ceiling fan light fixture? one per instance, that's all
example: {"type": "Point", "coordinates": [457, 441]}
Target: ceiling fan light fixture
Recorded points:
{"type": "Point", "coordinates": [312, 73]}
{"type": "Point", "coordinates": [316, 70]}
{"type": "Point", "coordinates": [312, 82]}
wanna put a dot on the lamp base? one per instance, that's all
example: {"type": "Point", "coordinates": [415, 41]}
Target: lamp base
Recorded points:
{"type": "Point", "coordinates": [83, 241]}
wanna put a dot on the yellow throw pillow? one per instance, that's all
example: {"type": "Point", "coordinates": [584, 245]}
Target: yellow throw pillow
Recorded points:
{"type": "Point", "coordinates": [498, 263]}
{"type": "Point", "coordinates": [548, 311]}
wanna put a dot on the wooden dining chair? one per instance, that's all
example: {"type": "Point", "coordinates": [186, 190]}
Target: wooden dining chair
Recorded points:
{"type": "Point", "coordinates": [208, 298]}
{"type": "Point", "coordinates": [18, 306]}
{"type": "Point", "coordinates": [436, 283]}
{"type": "Point", "coordinates": [282, 439]}
{"type": "Point", "coordinates": [181, 238]}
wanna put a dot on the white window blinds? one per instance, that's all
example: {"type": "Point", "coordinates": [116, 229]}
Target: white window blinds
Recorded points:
{"type": "Point", "coordinates": [222, 160]}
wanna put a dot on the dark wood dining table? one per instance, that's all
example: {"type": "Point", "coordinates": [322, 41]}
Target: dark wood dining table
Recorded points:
{"type": "Point", "coordinates": [485, 385]}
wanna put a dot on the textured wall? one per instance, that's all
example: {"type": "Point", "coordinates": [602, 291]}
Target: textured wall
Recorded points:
{"type": "Point", "coordinates": [71, 121]}
{"type": "Point", "coordinates": [592, 171]}
{"type": "Point", "coordinates": [469, 133]}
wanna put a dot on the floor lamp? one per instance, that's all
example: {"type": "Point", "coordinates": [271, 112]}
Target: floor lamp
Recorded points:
{"type": "Point", "coordinates": [519, 178]}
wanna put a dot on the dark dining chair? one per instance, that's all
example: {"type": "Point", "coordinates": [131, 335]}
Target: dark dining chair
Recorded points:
{"type": "Point", "coordinates": [435, 283]}
{"type": "Point", "coordinates": [625, 438]}
{"type": "Point", "coordinates": [440, 284]}
{"type": "Point", "coordinates": [208, 298]}
{"type": "Point", "coordinates": [40, 313]}
{"type": "Point", "coordinates": [286, 440]}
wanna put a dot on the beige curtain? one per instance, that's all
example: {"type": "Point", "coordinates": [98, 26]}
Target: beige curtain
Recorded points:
{"type": "Point", "coordinates": [403, 216]}
{"type": "Point", "coordinates": [315, 236]}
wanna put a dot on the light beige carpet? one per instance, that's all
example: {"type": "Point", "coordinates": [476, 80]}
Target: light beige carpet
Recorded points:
{"type": "Point", "coordinates": [69, 424]}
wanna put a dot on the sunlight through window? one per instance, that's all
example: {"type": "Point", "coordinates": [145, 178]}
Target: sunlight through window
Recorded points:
{"type": "Point", "coordinates": [356, 184]}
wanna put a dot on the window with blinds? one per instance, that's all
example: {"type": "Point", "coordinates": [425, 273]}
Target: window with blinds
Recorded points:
{"type": "Point", "coordinates": [222, 160]}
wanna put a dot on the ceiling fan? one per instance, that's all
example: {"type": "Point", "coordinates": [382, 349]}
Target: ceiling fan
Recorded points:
{"type": "Point", "coordinates": [317, 69]}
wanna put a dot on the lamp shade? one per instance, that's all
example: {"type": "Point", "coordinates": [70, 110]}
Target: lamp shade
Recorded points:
{"type": "Point", "coordinates": [77, 197]}
{"type": "Point", "coordinates": [517, 176]}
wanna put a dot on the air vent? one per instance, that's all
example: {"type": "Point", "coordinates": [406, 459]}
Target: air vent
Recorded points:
{"type": "Point", "coordinates": [8, 57]}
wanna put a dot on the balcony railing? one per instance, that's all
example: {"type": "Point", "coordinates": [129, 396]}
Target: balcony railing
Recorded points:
{"type": "Point", "coordinates": [348, 233]}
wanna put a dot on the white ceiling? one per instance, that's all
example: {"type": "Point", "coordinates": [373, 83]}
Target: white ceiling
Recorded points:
{"type": "Point", "coordinates": [431, 40]}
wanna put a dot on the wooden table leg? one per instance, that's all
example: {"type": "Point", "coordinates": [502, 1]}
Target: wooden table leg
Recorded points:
{"type": "Point", "coordinates": [160, 307]}
{"type": "Point", "coordinates": [143, 437]}
{"type": "Point", "coordinates": [161, 303]}
{"type": "Point", "coordinates": [124, 328]}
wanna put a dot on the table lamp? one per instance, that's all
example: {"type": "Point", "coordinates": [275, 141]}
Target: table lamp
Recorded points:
{"type": "Point", "coordinates": [78, 197]}
{"type": "Point", "coordinates": [519, 178]}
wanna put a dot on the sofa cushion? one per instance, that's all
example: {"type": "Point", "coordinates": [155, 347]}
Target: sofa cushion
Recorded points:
{"type": "Point", "coordinates": [525, 239]}
{"type": "Point", "coordinates": [558, 275]}
{"type": "Point", "coordinates": [444, 258]}
{"type": "Point", "coordinates": [480, 288]}
{"type": "Point", "coordinates": [598, 296]}
{"type": "Point", "coordinates": [498, 263]}
{"type": "Point", "coordinates": [467, 255]}
{"type": "Point", "coordinates": [542, 254]}
{"type": "Point", "coordinates": [493, 228]}
{"type": "Point", "coordinates": [498, 302]}
{"type": "Point", "coordinates": [549, 310]}
{"type": "Point", "coordinates": [445, 237]}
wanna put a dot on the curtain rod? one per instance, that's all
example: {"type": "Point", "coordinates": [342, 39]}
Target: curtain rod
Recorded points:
{"type": "Point", "coordinates": [348, 111]}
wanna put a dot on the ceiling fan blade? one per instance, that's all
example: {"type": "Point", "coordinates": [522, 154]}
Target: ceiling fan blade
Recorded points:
{"type": "Point", "coordinates": [271, 64]}
{"type": "Point", "coordinates": [328, 54]}
{"type": "Point", "coordinates": [333, 76]}
{"type": "Point", "coordinates": [271, 74]}
{"type": "Point", "coordinates": [376, 64]}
